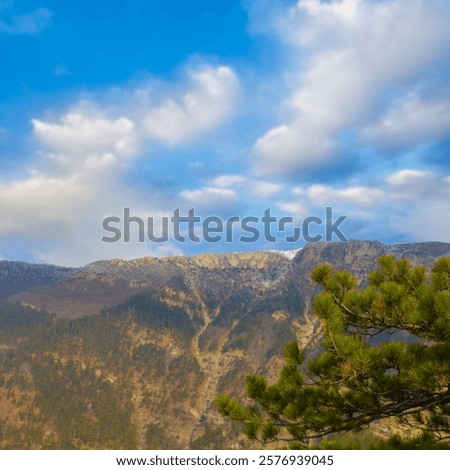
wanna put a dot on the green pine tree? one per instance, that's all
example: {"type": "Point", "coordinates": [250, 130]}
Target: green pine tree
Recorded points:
{"type": "Point", "coordinates": [361, 376]}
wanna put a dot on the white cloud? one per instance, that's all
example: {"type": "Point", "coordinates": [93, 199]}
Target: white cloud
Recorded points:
{"type": "Point", "coordinates": [259, 188]}
{"type": "Point", "coordinates": [298, 208]}
{"type": "Point", "coordinates": [80, 174]}
{"type": "Point", "coordinates": [233, 187]}
{"type": "Point", "coordinates": [264, 189]}
{"type": "Point", "coordinates": [411, 121]}
{"type": "Point", "coordinates": [61, 216]}
{"type": "Point", "coordinates": [410, 204]}
{"type": "Point", "coordinates": [409, 177]}
{"type": "Point", "coordinates": [27, 24]}
{"type": "Point", "coordinates": [357, 195]}
{"type": "Point", "coordinates": [359, 201]}
{"type": "Point", "coordinates": [209, 198]}
{"type": "Point", "coordinates": [417, 187]}
{"type": "Point", "coordinates": [353, 52]}
{"type": "Point", "coordinates": [419, 204]}
{"type": "Point", "coordinates": [73, 179]}
{"type": "Point", "coordinates": [60, 213]}
{"type": "Point", "coordinates": [40, 206]}
{"type": "Point", "coordinates": [210, 102]}
{"type": "Point", "coordinates": [225, 181]}
{"type": "Point", "coordinates": [83, 132]}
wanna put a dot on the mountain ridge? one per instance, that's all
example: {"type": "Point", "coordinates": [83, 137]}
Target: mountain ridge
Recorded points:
{"type": "Point", "coordinates": [441, 247]}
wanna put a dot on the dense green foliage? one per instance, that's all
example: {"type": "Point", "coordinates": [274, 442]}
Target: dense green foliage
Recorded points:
{"type": "Point", "coordinates": [386, 352]}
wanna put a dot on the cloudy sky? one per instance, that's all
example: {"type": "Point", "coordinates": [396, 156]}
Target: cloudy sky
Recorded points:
{"type": "Point", "coordinates": [229, 107]}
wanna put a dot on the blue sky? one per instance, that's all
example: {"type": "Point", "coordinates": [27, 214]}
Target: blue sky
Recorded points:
{"type": "Point", "coordinates": [229, 107]}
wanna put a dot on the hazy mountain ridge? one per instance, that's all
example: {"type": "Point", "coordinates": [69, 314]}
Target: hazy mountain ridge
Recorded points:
{"type": "Point", "coordinates": [17, 276]}
{"type": "Point", "coordinates": [160, 338]}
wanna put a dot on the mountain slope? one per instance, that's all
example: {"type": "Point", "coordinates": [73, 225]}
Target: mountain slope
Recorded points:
{"type": "Point", "coordinates": [132, 353]}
